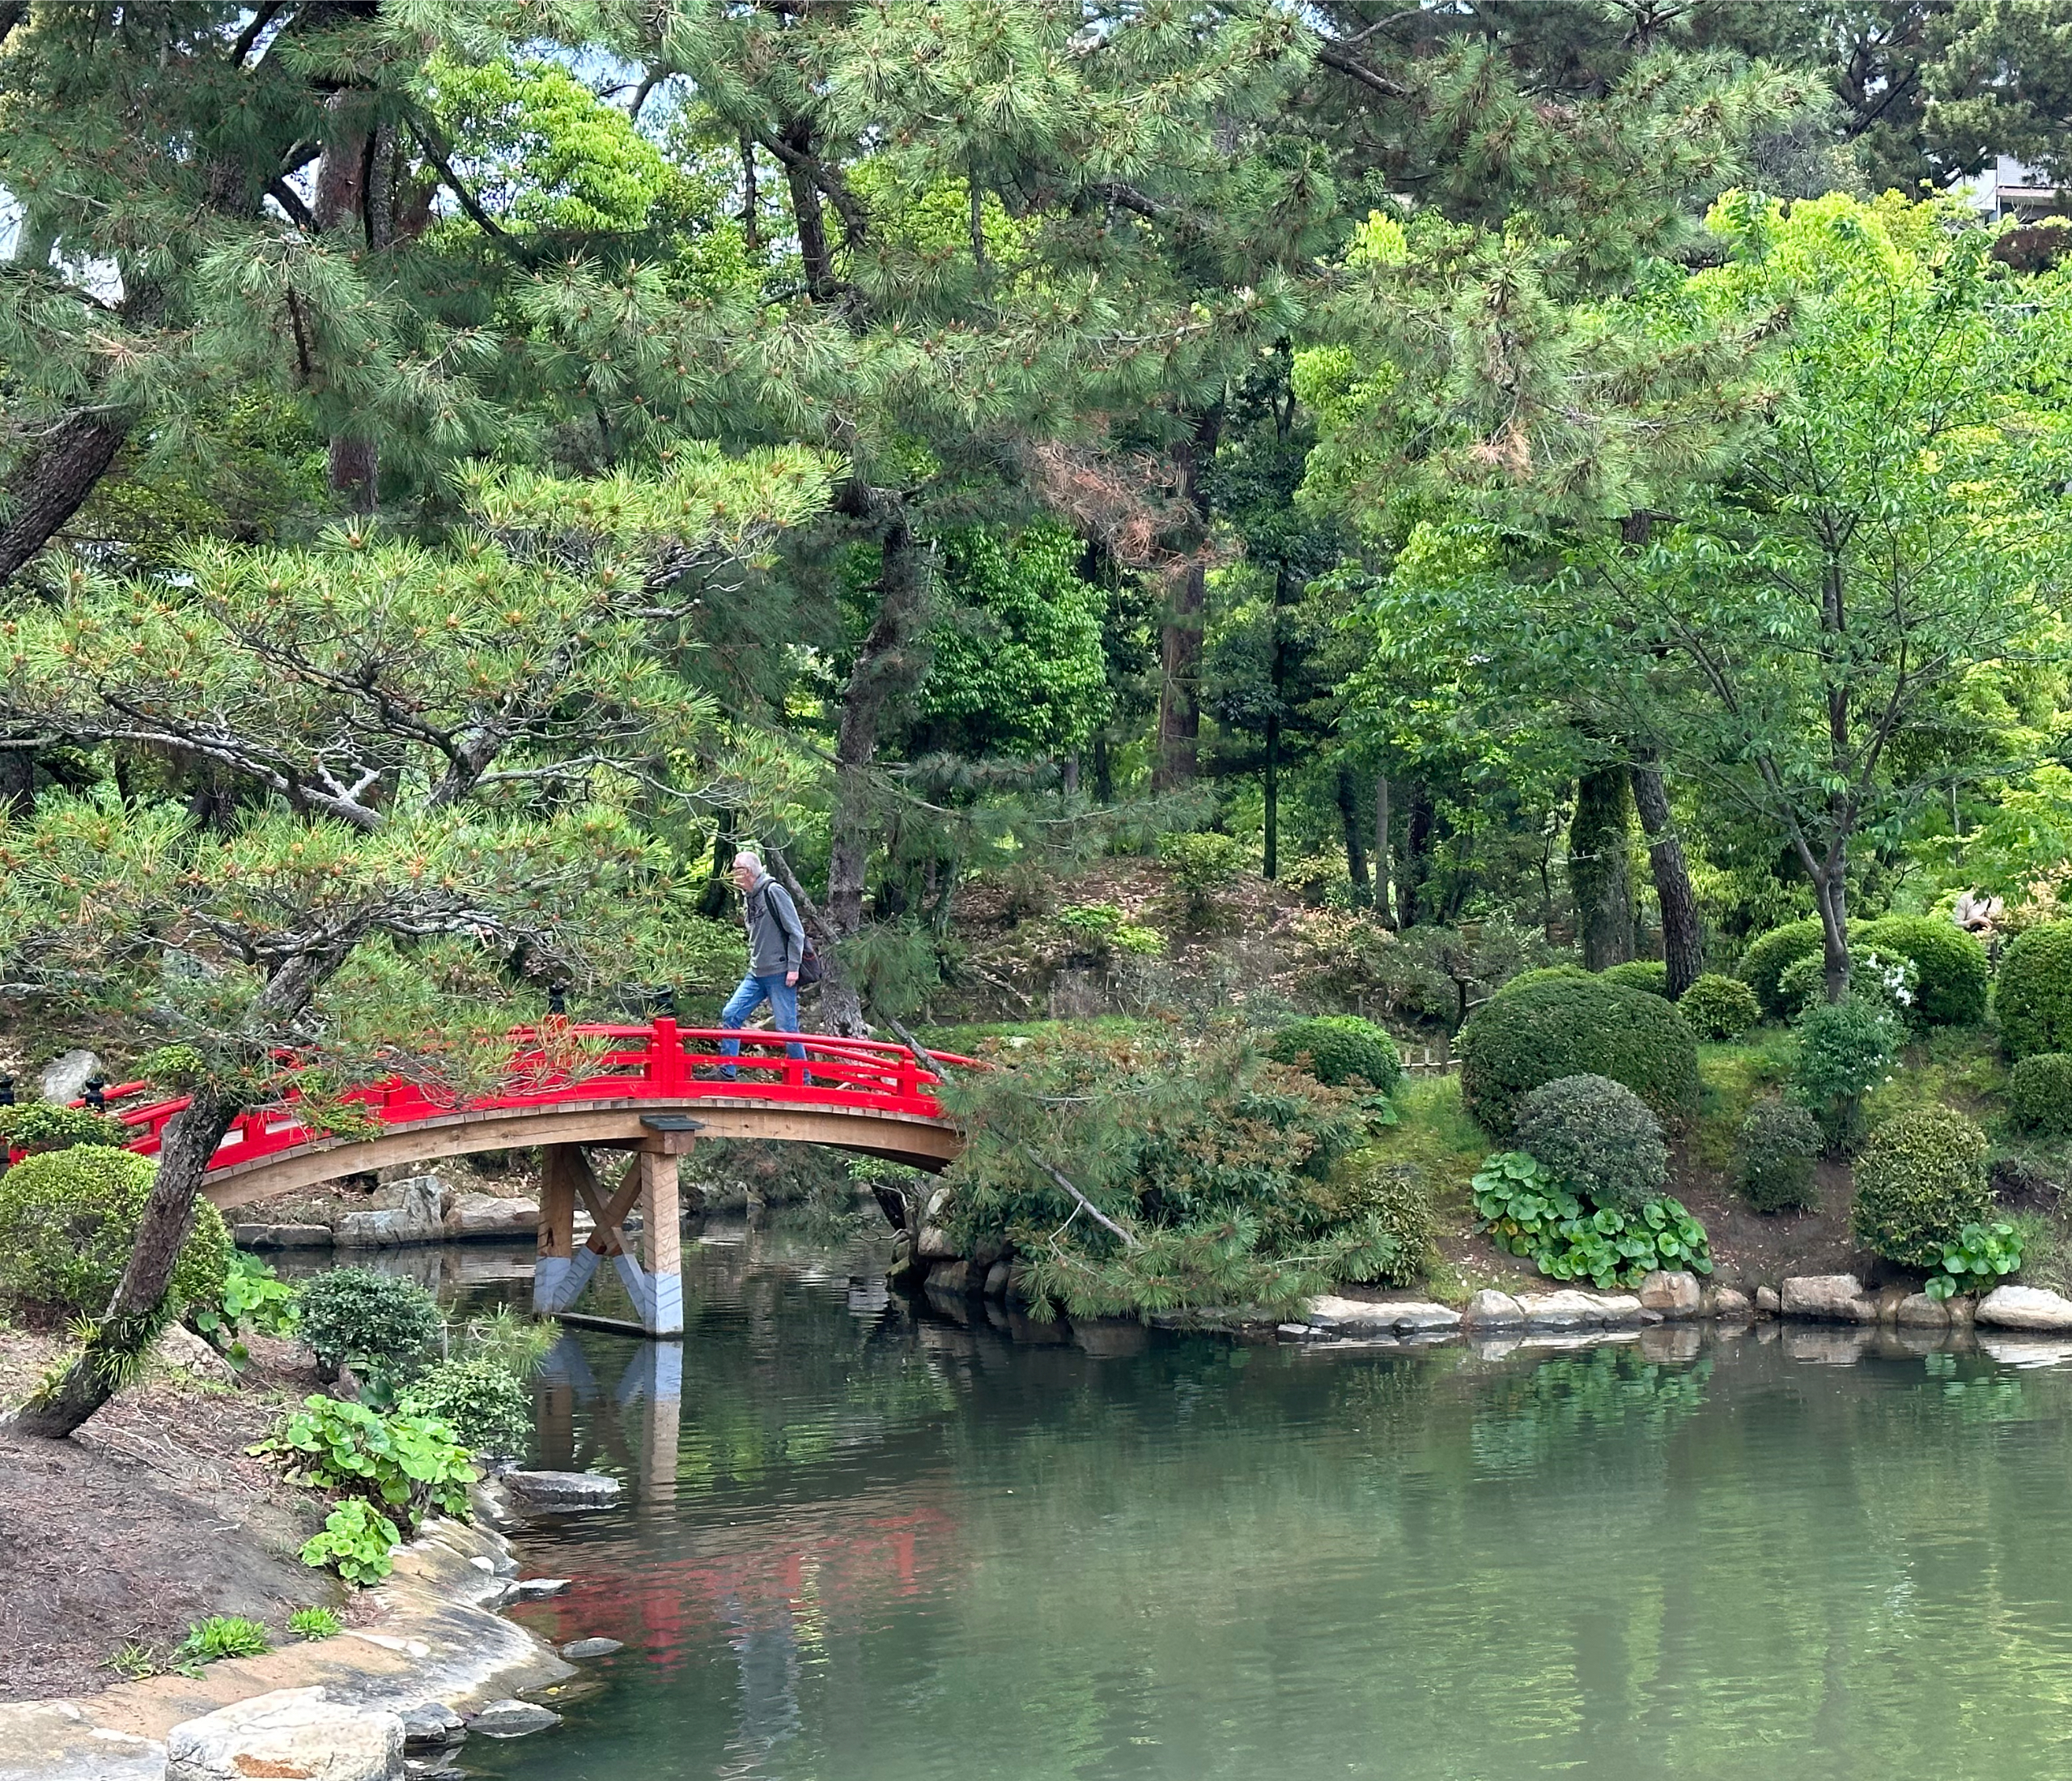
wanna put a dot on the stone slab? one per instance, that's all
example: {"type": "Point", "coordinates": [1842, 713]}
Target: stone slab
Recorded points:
{"type": "Point", "coordinates": [2024, 1307]}
{"type": "Point", "coordinates": [1833, 1298]}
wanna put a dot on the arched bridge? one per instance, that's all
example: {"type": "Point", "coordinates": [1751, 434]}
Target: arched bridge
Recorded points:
{"type": "Point", "coordinates": [651, 1090]}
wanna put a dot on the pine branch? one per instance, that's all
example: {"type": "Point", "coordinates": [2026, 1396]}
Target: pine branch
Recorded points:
{"type": "Point", "coordinates": [1086, 1205]}
{"type": "Point", "coordinates": [299, 213]}
{"type": "Point", "coordinates": [261, 17]}
{"type": "Point", "coordinates": [1329, 56]}
{"type": "Point", "coordinates": [441, 161]}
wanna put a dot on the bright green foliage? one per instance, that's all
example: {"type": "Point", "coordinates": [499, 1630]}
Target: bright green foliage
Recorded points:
{"type": "Point", "coordinates": [1920, 1180]}
{"type": "Point", "coordinates": [1719, 1008]}
{"type": "Point", "coordinates": [480, 1400]}
{"type": "Point", "coordinates": [1204, 866]}
{"type": "Point", "coordinates": [1780, 1146]}
{"type": "Point", "coordinates": [314, 1623]}
{"type": "Point", "coordinates": [1217, 1165]}
{"type": "Point", "coordinates": [1018, 666]}
{"type": "Point", "coordinates": [1887, 979]}
{"type": "Point", "coordinates": [1396, 1197]}
{"type": "Point", "coordinates": [1649, 975]}
{"type": "Point", "coordinates": [357, 1316]}
{"type": "Point", "coordinates": [407, 1464]}
{"type": "Point", "coordinates": [1598, 1138]}
{"type": "Point", "coordinates": [2040, 1094]}
{"type": "Point", "coordinates": [220, 1636]}
{"type": "Point", "coordinates": [1950, 963]}
{"type": "Point", "coordinates": [1764, 964]}
{"type": "Point", "coordinates": [1575, 1026]}
{"type": "Point", "coordinates": [1844, 1050]}
{"type": "Point", "coordinates": [67, 1219]}
{"type": "Point", "coordinates": [1981, 1257]}
{"type": "Point", "coordinates": [253, 1297]}
{"type": "Point", "coordinates": [357, 1541]}
{"type": "Point", "coordinates": [1540, 974]}
{"type": "Point", "coordinates": [1336, 1048]}
{"type": "Point", "coordinates": [1534, 1215]}
{"type": "Point", "coordinates": [2032, 1000]}
{"type": "Point", "coordinates": [44, 1125]}
{"type": "Point", "coordinates": [1106, 929]}
{"type": "Point", "coordinates": [509, 1339]}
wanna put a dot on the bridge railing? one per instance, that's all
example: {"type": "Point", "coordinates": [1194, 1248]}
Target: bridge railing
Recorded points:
{"type": "Point", "coordinates": [660, 1061]}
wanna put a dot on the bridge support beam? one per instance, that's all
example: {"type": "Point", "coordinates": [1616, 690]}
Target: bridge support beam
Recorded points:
{"type": "Point", "coordinates": [653, 1277]}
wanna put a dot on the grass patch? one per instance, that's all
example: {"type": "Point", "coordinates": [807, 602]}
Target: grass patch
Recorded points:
{"type": "Point", "coordinates": [1732, 1077]}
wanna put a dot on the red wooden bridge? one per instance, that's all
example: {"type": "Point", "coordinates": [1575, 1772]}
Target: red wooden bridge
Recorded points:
{"type": "Point", "coordinates": [652, 1089]}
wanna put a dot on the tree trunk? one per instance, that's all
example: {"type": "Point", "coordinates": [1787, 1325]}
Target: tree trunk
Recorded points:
{"type": "Point", "coordinates": [1104, 773]}
{"type": "Point", "coordinates": [1683, 930]}
{"type": "Point", "coordinates": [137, 1312]}
{"type": "Point", "coordinates": [1416, 855]}
{"type": "Point", "coordinates": [17, 782]}
{"type": "Point", "coordinates": [1355, 843]}
{"type": "Point", "coordinates": [1831, 895]}
{"type": "Point", "coordinates": [1179, 644]}
{"type": "Point", "coordinates": [1381, 818]}
{"type": "Point", "coordinates": [807, 215]}
{"type": "Point", "coordinates": [54, 484]}
{"type": "Point", "coordinates": [353, 182]}
{"type": "Point", "coordinates": [888, 669]}
{"type": "Point", "coordinates": [1599, 873]}
{"type": "Point", "coordinates": [1271, 791]}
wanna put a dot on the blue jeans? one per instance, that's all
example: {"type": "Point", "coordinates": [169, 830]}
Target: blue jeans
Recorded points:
{"type": "Point", "coordinates": [783, 1000]}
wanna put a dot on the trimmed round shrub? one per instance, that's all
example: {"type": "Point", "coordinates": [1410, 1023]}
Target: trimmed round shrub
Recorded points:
{"type": "Point", "coordinates": [68, 1219]}
{"type": "Point", "coordinates": [1719, 1008]}
{"type": "Point", "coordinates": [1575, 1026]}
{"type": "Point", "coordinates": [1950, 964]}
{"type": "Point", "coordinates": [1767, 958]}
{"type": "Point", "coordinates": [484, 1404]}
{"type": "Point", "coordinates": [1543, 974]}
{"type": "Point", "coordinates": [1780, 1143]}
{"type": "Point", "coordinates": [2033, 998]}
{"type": "Point", "coordinates": [1649, 975]}
{"type": "Point", "coordinates": [356, 1315]}
{"type": "Point", "coordinates": [1334, 1048]}
{"type": "Point", "coordinates": [1598, 1136]}
{"type": "Point", "coordinates": [1920, 1179]}
{"type": "Point", "coordinates": [2040, 1094]}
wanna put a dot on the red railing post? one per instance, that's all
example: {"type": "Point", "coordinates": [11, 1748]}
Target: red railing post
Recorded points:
{"type": "Point", "coordinates": [910, 1073]}
{"type": "Point", "coordinates": [666, 1072]}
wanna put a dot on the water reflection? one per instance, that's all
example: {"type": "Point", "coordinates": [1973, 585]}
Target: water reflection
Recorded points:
{"type": "Point", "coordinates": [862, 1541]}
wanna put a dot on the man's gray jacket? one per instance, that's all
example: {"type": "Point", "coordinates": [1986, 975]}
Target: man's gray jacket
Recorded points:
{"type": "Point", "coordinates": [776, 937]}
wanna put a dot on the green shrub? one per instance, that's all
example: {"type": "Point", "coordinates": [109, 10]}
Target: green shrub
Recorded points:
{"type": "Point", "coordinates": [2033, 998]}
{"type": "Point", "coordinates": [1649, 975]}
{"type": "Point", "coordinates": [519, 1343]}
{"type": "Point", "coordinates": [357, 1541]}
{"type": "Point", "coordinates": [49, 1125]}
{"type": "Point", "coordinates": [1394, 1198]}
{"type": "Point", "coordinates": [483, 1404]}
{"type": "Point", "coordinates": [1920, 1179]}
{"type": "Point", "coordinates": [355, 1314]}
{"type": "Point", "coordinates": [1537, 1217]}
{"type": "Point", "coordinates": [1780, 1143]}
{"type": "Point", "coordinates": [1950, 965]}
{"type": "Point", "coordinates": [1598, 1137]}
{"type": "Point", "coordinates": [252, 1296]}
{"type": "Point", "coordinates": [1544, 974]}
{"type": "Point", "coordinates": [1204, 866]}
{"type": "Point", "coordinates": [1844, 1050]}
{"type": "Point", "coordinates": [1768, 957]}
{"type": "Point", "coordinates": [1575, 1026]}
{"type": "Point", "coordinates": [1982, 1257]}
{"type": "Point", "coordinates": [1887, 979]}
{"type": "Point", "coordinates": [219, 1636]}
{"type": "Point", "coordinates": [410, 1465]}
{"type": "Point", "coordinates": [1337, 1048]}
{"type": "Point", "coordinates": [1719, 1008]}
{"type": "Point", "coordinates": [314, 1623]}
{"type": "Point", "coordinates": [2040, 1094]}
{"type": "Point", "coordinates": [68, 1218]}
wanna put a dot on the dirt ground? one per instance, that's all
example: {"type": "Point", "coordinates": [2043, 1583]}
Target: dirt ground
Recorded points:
{"type": "Point", "coordinates": [150, 1518]}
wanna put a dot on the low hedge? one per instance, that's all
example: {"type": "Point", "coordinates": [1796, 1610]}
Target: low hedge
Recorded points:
{"type": "Point", "coordinates": [1920, 1180]}
{"type": "Point", "coordinates": [1952, 990]}
{"type": "Point", "coordinates": [1334, 1048]}
{"type": "Point", "coordinates": [2040, 1094]}
{"type": "Point", "coordinates": [68, 1219]}
{"type": "Point", "coordinates": [1583, 1025]}
{"type": "Point", "coordinates": [2033, 998]}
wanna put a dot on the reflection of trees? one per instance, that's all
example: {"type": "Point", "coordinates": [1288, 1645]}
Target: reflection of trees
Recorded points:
{"type": "Point", "coordinates": [897, 1547]}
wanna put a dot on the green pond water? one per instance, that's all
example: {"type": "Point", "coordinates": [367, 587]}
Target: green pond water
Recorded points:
{"type": "Point", "coordinates": [859, 1543]}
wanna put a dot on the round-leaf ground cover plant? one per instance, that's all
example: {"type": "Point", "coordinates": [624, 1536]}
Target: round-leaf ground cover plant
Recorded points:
{"type": "Point", "coordinates": [1535, 1215]}
{"type": "Point", "coordinates": [1560, 1026]}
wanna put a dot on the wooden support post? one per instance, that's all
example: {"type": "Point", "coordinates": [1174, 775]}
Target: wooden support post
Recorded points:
{"type": "Point", "coordinates": [661, 1242]}
{"type": "Point", "coordinates": [553, 1289]}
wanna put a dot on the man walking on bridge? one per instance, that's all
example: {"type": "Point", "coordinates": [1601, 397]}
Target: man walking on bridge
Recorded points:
{"type": "Point", "coordinates": [776, 946]}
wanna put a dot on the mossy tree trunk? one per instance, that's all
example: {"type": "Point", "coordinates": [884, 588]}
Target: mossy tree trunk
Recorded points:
{"type": "Point", "coordinates": [1600, 868]}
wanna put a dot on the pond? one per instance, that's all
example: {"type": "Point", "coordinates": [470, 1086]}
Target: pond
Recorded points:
{"type": "Point", "coordinates": [860, 1545]}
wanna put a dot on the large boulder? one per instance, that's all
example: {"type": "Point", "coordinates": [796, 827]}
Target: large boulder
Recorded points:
{"type": "Point", "coordinates": [557, 1492]}
{"type": "Point", "coordinates": [420, 1219]}
{"type": "Point", "coordinates": [482, 1217]}
{"type": "Point", "coordinates": [1571, 1309]}
{"type": "Point", "coordinates": [1490, 1309]}
{"type": "Point", "coordinates": [281, 1236]}
{"type": "Point", "coordinates": [2024, 1307]}
{"type": "Point", "coordinates": [293, 1734]}
{"type": "Point", "coordinates": [65, 1077]}
{"type": "Point", "coordinates": [1674, 1294]}
{"type": "Point", "coordinates": [1833, 1298]}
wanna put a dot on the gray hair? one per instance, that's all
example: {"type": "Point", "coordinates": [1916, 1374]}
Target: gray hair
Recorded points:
{"type": "Point", "coordinates": [746, 857]}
